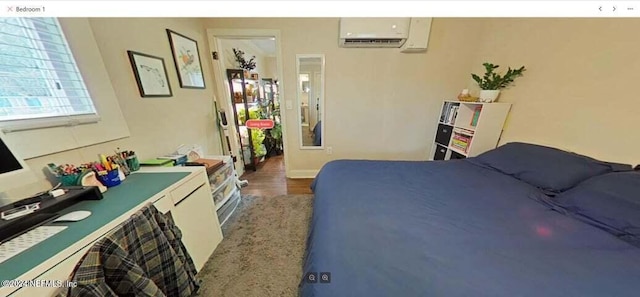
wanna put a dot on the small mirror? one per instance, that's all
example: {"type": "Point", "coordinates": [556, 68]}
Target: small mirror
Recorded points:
{"type": "Point", "coordinates": [311, 100]}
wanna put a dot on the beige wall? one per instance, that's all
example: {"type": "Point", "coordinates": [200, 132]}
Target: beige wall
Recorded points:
{"type": "Point", "coordinates": [579, 92]}
{"type": "Point", "coordinates": [380, 103]}
{"type": "Point", "coordinates": [271, 68]}
{"type": "Point", "coordinates": [157, 125]}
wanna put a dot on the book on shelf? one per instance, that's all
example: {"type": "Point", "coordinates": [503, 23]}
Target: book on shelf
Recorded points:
{"type": "Point", "coordinates": [461, 142]}
{"type": "Point", "coordinates": [463, 130]}
{"type": "Point", "coordinates": [449, 113]}
{"type": "Point", "coordinates": [476, 116]}
{"type": "Point", "coordinates": [454, 115]}
{"type": "Point", "coordinates": [462, 137]}
{"type": "Point", "coordinates": [443, 114]}
{"type": "Point", "coordinates": [461, 148]}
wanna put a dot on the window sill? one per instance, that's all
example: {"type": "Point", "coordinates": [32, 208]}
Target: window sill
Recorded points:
{"type": "Point", "coordinates": [33, 124]}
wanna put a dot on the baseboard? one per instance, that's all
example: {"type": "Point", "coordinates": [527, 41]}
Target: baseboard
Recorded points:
{"type": "Point", "coordinates": [303, 173]}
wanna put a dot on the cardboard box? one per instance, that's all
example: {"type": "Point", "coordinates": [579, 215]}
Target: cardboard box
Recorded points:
{"type": "Point", "coordinates": [211, 164]}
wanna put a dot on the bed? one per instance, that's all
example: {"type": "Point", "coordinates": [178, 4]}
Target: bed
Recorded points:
{"type": "Point", "coordinates": [471, 227]}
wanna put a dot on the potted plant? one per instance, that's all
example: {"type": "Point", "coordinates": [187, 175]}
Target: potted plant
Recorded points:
{"type": "Point", "coordinates": [259, 149]}
{"type": "Point", "coordinates": [491, 82]}
{"type": "Point", "coordinates": [247, 65]}
{"type": "Point", "coordinates": [276, 134]}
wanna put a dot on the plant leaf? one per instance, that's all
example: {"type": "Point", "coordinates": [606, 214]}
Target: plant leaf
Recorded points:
{"type": "Point", "coordinates": [494, 81]}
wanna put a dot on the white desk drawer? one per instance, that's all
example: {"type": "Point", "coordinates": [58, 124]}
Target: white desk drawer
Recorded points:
{"type": "Point", "coordinates": [59, 272]}
{"type": "Point", "coordinates": [164, 204]}
{"type": "Point", "coordinates": [187, 188]}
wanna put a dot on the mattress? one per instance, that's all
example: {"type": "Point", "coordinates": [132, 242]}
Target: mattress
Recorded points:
{"type": "Point", "coordinates": [452, 228]}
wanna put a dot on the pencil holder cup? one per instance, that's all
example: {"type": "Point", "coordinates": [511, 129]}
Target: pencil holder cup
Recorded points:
{"type": "Point", "coordinates": [133, 163]}
{"type": "Point", "coordinates": [111, 179]}
{"type": "Point", "coordinates": [70, 179]}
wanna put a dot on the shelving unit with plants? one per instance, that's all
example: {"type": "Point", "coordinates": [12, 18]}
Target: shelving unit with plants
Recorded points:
{"type": "Point", "coordinates": [467, 129]}
{"type": "Point", "coordinates": [244, 95]}
{"type": "Point", "coordinates": [248, 101]}
{"type": "Point", "coordinates": [271, 108]}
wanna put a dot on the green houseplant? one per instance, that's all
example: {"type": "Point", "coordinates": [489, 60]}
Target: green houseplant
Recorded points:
{"type": "Point", "coordinates": [257, 137]}
{"type": "Point", "coordinates": [242, 62]}
{"type": "Point", "coordinates": [492, 82]}
{"type": "Point", "coordinates": [276, 135]}
{"type": "Point", "coordinates": [254, 114]}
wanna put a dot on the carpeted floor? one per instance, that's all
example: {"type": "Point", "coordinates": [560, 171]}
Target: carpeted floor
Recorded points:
{"type": "Point", "coordinates": [262, 250]}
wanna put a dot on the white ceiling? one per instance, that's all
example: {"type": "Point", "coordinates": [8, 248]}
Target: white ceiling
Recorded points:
{"type": "Point", "coordinates": [266, 45]}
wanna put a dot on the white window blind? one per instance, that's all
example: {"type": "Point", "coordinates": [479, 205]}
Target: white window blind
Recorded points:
{"type": "Point", "coordinates": [40, 84]}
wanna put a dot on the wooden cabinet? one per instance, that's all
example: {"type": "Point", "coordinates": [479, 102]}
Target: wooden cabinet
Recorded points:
{"type": "Point", "coordinates": [467, 129]}
{"type": "Point", "coordinates": [196, 218]}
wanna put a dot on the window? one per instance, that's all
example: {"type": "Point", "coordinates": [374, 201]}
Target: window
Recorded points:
{"type": "Point", "coordinates": [39, 80]}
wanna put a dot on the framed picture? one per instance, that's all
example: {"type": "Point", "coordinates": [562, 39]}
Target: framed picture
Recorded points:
{"type": "Point", "coordinates": [151, 75]}
{"type": "Point", "coordinates": [187, 60]}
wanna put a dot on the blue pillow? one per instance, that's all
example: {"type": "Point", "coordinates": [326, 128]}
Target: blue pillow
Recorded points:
{"type": "Point", "coordinates": [549, 169]}
{"type": "Point", "coordinates": [610, 202]}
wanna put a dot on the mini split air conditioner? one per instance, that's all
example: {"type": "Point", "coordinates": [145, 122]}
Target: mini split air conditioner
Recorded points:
{"type": "Point", "coordinates": [412, 34]}
{"type": "Point", "coordinates": [373, 32]}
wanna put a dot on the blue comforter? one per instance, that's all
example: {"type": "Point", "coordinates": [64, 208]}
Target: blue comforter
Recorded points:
{"type": "Point", "coordinates": [452, 228]}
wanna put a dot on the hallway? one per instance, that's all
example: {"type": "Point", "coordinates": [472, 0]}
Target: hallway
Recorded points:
{"type": "Point", "coordinates": [270, 180]}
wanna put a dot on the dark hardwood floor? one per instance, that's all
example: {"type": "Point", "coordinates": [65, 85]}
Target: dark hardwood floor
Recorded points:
{"type": "Point", "coordinates": [269, 180]}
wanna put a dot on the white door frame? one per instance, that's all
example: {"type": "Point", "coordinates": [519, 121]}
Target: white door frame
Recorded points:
{"type": "Point", "coordinates": [222, 88]}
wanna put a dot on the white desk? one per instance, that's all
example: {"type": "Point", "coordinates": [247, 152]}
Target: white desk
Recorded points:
{"type": "Point", "coordinates": [186, 198]}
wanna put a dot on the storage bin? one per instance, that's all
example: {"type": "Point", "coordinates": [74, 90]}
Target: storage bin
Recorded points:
{"type": "Point", "coordinates": [223, 191]}
{"type": "Point", "coordinates": [229, 207]}
{"type": "Point", "coordinates": [443, 135]}
{"type": "Point", "coordinates": [455, 155]}
{"type": "Point", "coordinates": [441, 153]}
{"type": "Point", "coordinates": [221, 175]}
{"type": "Point", "coordinates": [133, 163]}
{"type": "Point", "coordinates": [70, 179]}
{"type": "Point", "coordinates": [111, 179]}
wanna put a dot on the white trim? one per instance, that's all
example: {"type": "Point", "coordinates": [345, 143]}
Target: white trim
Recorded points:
{"type": "Point", "coordinates": [304, 173]}
{"type": "Point", "coordinates": [322, 101]}
{"type": "Point", "coordinates": [62, 121]}
{"type": "Point", "coordinates": [213, 36]}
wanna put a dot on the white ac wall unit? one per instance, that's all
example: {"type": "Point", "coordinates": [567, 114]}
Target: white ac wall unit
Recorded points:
{"type": "Point", "coordinates": [418, 39]}
{"type": "Point", "coordinates": [374, 32]}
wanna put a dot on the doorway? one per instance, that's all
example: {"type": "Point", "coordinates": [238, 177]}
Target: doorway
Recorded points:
{"type": "Point", "coordinates": [248, 74]}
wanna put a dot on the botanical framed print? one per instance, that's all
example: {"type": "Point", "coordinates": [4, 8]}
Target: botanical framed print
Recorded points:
{"type": "Point", "coordinates": [187, 60]}
{"type": "Point", "coordinates": [151, 75]}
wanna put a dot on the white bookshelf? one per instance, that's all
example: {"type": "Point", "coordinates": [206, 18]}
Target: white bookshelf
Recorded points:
{"type": "Point", "coordinates": [460, 136]}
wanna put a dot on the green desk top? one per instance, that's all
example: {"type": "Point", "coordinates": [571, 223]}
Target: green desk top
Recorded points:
{"type": "Point", "coordinates": [135, 189]}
